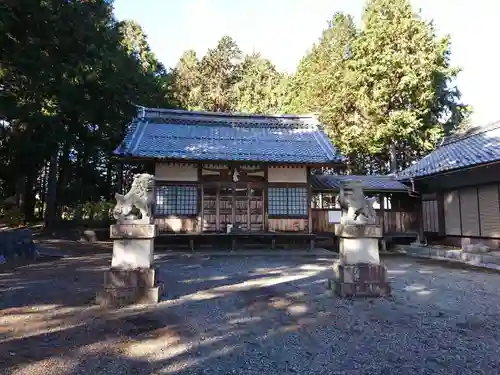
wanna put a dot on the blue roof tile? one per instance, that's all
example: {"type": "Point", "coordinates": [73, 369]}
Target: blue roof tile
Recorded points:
{"type": "Point", "coordinates": [189, 135]}
{"type": "Point", "coordinates": [370, 183]}
{"type": "Point", "coordinates": [477, 146]}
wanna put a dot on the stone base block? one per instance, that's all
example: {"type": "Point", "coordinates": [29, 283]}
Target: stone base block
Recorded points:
{"type": "Point", "coordinates": [360, 280]}
{"type": "Point", "coordinates": [359, 250]}
{"type": "Point", "coordinates": [132, 253]}
{"type": "Point", "coordinates": [138, 278]}
{"type": "Point", "coordinates": [116, 297]}
{"type": "Point", "coordinates": [358, 230]}
{"type": "Point", "coordinates": [125, 287]}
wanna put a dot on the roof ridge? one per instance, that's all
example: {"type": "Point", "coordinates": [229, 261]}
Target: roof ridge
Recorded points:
{"type": "Point", "coordinates": [472, 132]}
{"type": "Point", "coordinates": [229, 122]}
{"type": "Point", "coordinates": [143, 113]}
{"type": "Point", "coordinates": [385, 176]}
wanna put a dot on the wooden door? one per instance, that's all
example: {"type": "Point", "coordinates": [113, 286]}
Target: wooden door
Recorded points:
{"type": "Point", "coordinates": [241, 206]}
{"type": "Point", "coordinates": [231, 203]}
{"type": "Point", "coordinates": [226, 205]}
{"type": "Point", "coordinates": [210, 193]}
{"type": "Point", "coordinates": [256, 208]}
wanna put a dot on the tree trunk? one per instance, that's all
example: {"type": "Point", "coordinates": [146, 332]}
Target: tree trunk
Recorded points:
{"type": "Point", "coordinates": [63, 176]}
{"type": "Point", "coordinates": [20, 185]}
{"type": "Point", "coordinates": [119, 182]}
{"type": "Point", "coordinates": [51, 213]}
{"type": "Point", "coordinates": [29, 196]}
{"type": "Point", "coordinates": [43, 191]}
{"type": "Point", "coordinates": [393, 154]}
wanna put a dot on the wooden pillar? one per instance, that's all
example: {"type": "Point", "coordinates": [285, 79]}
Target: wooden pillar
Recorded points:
{"type": "Point", "coordinates": [420, 213]}
{"type": "Point", "coordinates": [201, 204]}
{"type": "Point", "coordinates": [309, 207]}
{"type": "Point", "coordinates": [249, 206]}
{"type": "Point", "coordinates": [217, 209]}
{"type": "Point", "coordinates": [201, 207]}
{"type": "Point", "coordinates": [233, 205]}
{"type": "Point", "coordinates": [264, 199]}
{"type": "Point", "coordinates": [382, 210]}
{"type": "Point", "coordinates": [441, 215]}
{"type": "Point", "coordinates": [309, 199]}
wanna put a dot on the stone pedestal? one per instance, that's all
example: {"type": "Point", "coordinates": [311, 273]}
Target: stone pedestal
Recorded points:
{"type": "Point", "coordinates": [358, 271]}
{"type": "Point", "coordinates": [131, 278]}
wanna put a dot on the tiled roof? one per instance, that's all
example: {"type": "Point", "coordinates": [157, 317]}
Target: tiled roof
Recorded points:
{"type": "Point", "coordinates": [370, 183]}
{"type": "Point", "coordinates": [479, 145]}
{"type": "Point", "coordinates": [190, 135]}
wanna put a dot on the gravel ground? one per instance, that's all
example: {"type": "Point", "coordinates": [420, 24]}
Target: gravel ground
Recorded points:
{"type": "Point", "coordinates": [251, 316]}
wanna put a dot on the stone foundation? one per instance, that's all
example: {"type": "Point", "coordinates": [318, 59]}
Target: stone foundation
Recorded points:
{"type": "Point", "coordinates": [358, 243]}
{"type": "Point", "coordinates": [360, 280]}
{"type": "Point", "coordinates": [126, 287]}
{"type": "Point", "coordinates": [132, 279]}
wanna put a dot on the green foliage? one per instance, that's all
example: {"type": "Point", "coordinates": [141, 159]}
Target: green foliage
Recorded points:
{"type": "Point", "coordinates": [186, 81]}
{"type": "Point", "coordinates": [258, 89]}
{"type": "Point", "coordinates": [99, 211]}
{"type": "Point", "coordinates": [225, 80]}
{"type": "Point", "coordinates": [220, 69]}
{"type": "Point", "coordinates": [71, 77]}
{"type": "Point", "coordinates": [13, 216]}
{"type": "Point", "coordinates": [315, 86]}
{"type": "Point", "coordinates": [383, 90]}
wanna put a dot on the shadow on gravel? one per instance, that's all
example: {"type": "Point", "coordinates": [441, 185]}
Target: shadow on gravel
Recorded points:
{"type": "Point", "coordinates": [64, 282]}
{"type": "Point", "coordinates": [46, 317]}
{"type": "Point", "coordinates": [228, 316]}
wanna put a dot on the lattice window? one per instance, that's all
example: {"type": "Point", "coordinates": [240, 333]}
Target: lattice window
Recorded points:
{"type": "Point", "coordinates": [179, 200]}
{"type": "Point", "coordinates": [287, 201]}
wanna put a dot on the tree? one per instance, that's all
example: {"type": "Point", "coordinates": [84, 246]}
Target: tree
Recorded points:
{"type": "Point", "coordinates": [71, 76]}
{"type": "Point", "coordinates": [259, 88]}
{"type": "Point", "coordinates": [383, 91]}
{"type": "Point", "coordinates": [398, 78]}
{"type": "Point", "coordinates": [186, 81]}
{"type": "Point", "coordinates": [219, 71]}
{"type": "Point", "coordinates": [315, 85]}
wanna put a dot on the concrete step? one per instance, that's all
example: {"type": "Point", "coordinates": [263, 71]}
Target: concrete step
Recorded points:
{"type": "Point", "coordinates": [480, 260]}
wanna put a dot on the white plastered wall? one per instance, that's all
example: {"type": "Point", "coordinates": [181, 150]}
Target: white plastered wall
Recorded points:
{"type": "Point", "coordinates": [176, 172]}
{"type": "Point", "coordinates": [287, 174]}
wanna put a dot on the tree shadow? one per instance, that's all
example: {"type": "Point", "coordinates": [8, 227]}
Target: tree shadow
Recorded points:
{"type": "Point", "coordinates": [238, 316]}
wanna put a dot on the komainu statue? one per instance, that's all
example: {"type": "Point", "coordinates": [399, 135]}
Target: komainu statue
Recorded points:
{"type": "Point", "coordinates": [357, 209]}
{"type": "Point", "coordinates": [141, 196]}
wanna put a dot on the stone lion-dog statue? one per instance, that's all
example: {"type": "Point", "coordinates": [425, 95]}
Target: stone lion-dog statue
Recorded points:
{"type": "Point", "coordinates": [359, 208]}
{"type": "Point", "coordinates": [141, 196]}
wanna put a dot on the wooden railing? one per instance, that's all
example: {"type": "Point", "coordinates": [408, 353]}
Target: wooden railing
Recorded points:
{"type": "Point", "coordinates": [394, 221]}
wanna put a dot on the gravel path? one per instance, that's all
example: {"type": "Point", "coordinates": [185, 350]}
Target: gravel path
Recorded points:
{"type": "Point", "coordinates": [252, 316]}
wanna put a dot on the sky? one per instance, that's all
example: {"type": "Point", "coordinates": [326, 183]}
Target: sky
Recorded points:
{"type": "Point", "coordinates": [284, 30]}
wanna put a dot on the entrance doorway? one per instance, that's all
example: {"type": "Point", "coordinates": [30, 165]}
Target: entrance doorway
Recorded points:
{"type": "Point", "coordinates": [236, 204]}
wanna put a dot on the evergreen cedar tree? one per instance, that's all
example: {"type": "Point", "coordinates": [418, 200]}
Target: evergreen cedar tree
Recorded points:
{"type": "Point", "coordinates": [71, 75]}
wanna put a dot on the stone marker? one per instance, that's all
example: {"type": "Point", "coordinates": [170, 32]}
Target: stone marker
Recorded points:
{"type": "Point", "coordinates": [132, 277]}
{"type": "Point", "coordinates": [358, 272]}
